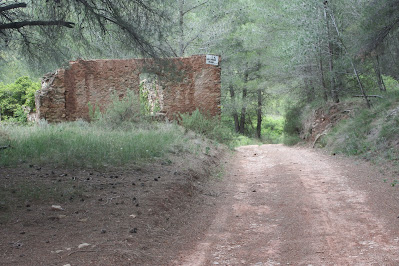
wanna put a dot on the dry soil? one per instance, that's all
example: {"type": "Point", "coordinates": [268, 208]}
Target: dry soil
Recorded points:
{"type": "Point", "coordinates": [294, 206]}
{"type": "Point", "coordinates": [275, 205]}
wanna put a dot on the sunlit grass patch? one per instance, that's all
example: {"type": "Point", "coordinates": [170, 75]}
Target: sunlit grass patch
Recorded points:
{"type": "Point", "coordinates": [82, 144]}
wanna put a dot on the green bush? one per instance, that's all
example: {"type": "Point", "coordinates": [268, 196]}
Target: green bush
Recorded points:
{"type": "Point", "coordinates": [210, 127]}
{"type": "Point", "coordinates": [293, 123]}
{"type": "Point", "coordinates": [272, 129]}
{"type": "Point", "coordinates": [390, 83]}
{"type": "Point", "coordinates": [120, 113]}
{"type": "Point", "coordinates": [15, 96]}
{"type": "Point", "coordinates": [291, 140]}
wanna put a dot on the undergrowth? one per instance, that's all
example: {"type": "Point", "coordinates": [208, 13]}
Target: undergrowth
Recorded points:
{"type": "Point", "coordinates": [116, 137]}
{"type": "Point", "coordinates": [211, 127]}
{"type": "Point", "coordinates": [86, 145]}
{"type": "Point", "coordinates": [272, 129]}
{"type": "Point", "coordinates": [292, 125]}
{"type": "Point", "coordinates": [370, 133]}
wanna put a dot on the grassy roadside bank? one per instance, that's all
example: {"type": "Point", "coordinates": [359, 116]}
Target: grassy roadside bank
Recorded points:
{"type": "Point", "coordinates": [350, 128]}
{"type": "Point", "coordinates": [80, 144]}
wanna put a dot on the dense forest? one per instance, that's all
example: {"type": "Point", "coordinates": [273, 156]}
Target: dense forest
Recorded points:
{"type": "Point", "coordinates": [277, 56]}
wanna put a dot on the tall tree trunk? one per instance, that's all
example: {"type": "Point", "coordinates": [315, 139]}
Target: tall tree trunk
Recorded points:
{"type": "Point", "coordinates": [377, 70]}
{"type": "Point", "coordinates": [181, 27]}
{"type": "Point", "coordinates": [333, 89]}
{"type": "Point", "coordinates": [350, 59]}
{"type": "Point", "coordinates": [321, 70]}
{"type": "Point", "coordinates": [310, 93]}
{"type": "Point", "coordinates": [235, 113]}
{"type": "Point", "coordinates": [244, 103]}
{"type": "Point", "coordinates": [259, 115]}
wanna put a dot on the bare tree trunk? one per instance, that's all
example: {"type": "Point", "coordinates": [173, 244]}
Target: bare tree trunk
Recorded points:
{"type": "Point", "coordinates": [322, 80]}
{"type": "Point", "coordinates": [377, 70]}
{"type": "Point", "coordinates": [259, 115]}
{"type": "Point", "coordinates": [181, 26]}
{"type": "Point", "coordinates": [333, 88]}
{"type": "Point", "coordinates": [244, 104]}
{"type": "Point", "coordinates": [310, 93]}
{"type": "Point", "coordinates": [235, 113]}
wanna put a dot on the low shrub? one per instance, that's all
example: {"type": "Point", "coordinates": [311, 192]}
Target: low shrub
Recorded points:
{"type": "Point", "coordinates": [272, 130]}
{"type": "Point", "coordinates": [210, 127]}
{"type": "Point", "coordinates": [291, 140]}
{"type": "Point", "coordinates": [293, 122]}
{"type": "Point", "coordinates": [16, 99]}
{"type": "Point", "coordinates": [120, 113]}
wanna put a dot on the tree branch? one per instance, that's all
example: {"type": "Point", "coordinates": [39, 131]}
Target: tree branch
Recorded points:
{"type": "Point", "coordinates": [13, 6]}
{"type": "Point", "coordinates": [17, 25]}
{"type": "Point", "coordinates": [372, 96]}
{"type": "Point", "coordinates": [382, 34]}
{"type": "Point", "coordinates": [190, 41]}
{"type": "Point", "coordinates": [194, 7]}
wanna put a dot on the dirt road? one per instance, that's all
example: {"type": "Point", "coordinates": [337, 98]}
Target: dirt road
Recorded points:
{"type": "Point", "coordinates": [293, 206]}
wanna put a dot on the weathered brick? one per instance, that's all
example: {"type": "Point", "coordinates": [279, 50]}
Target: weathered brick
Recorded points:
{"type": "Point", "coordinates": [188, 83]}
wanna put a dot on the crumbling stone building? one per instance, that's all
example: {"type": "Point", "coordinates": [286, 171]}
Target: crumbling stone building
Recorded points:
{"type": "Point", "coordinates": [184, 85]}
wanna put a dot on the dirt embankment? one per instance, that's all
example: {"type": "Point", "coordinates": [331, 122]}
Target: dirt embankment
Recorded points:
{"type": "Point", "coordinates": [324, 119]}
{"type": "Point", "coordinates": [139, 215]}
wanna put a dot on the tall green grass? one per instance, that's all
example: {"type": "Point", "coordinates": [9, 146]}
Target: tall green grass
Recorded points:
{"type": "Point", "coordinates": [272, 129]}
{"type": "Point", "coordinates": [82, 144]}
{"type": "Point", "coordinates": [369, 133]}
{"type": "Point", "coordinates": [210, 127]}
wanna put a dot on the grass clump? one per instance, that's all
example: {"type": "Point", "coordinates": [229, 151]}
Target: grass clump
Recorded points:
{"type": "Point", "coordinates": [351, 135]}
{"type": "Point", "coordinates": [242, 140]}
{"type": "Point", "coordinates": [82, 144]}
{"type": "Point", "coordinates": [210, 127]}
{"type": "Point", "coordinates": [123, 112]}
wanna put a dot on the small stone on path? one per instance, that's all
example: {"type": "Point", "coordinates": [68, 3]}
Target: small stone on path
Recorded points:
{"type": "Point", "coordinates": [83, 245]}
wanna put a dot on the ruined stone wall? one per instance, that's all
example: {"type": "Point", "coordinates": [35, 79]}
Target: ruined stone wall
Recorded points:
{"type": "Point", "coordinates": [186, 84]}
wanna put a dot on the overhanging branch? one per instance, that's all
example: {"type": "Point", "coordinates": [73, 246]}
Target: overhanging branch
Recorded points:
{"type": "Point", "coordinates": [17, 25]}
{"type": "Point", "coordinates": [13, 6]}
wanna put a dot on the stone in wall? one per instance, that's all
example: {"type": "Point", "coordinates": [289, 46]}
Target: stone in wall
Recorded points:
{"type": "Point", "coordinates": [185, 84]}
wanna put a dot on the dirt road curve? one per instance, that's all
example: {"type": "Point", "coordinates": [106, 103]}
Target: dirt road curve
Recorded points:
{"type": "Point", "coordinates": [293, 206]}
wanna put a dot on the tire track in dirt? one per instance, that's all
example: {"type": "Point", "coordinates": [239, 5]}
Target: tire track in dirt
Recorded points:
{"type": "Point", "coordinates": [293, 206]}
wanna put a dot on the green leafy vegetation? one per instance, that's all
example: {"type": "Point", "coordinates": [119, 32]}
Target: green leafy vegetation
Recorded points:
{"type": "Point", "coordinates": [207, 126]}
{"type": "Point", "coordinates": [123, 112]}
{"type": "Point", "coordinates": [372, 134]}
{"type": "Point", "coordinates": [293, 124]}
{"type": "Point", "coordinates": [272, 129]}
{"type": "Point", "coordinates": [17, 99]}
{"type": "Point", "coordinates": [86, 145]}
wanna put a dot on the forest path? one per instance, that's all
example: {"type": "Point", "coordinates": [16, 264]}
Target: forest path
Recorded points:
{"type": "Point", "coordinates": [295, 206]}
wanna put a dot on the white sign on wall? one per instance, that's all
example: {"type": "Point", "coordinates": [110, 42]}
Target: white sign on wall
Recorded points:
{"type": "Point", "coordinates": [212, 60]}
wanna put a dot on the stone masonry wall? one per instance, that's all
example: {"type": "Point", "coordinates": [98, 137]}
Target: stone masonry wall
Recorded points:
{"type": "Point", "coordinates": [186, 84]}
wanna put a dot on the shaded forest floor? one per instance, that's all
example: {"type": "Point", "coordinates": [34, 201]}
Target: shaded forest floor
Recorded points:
{"type": "Point", "coordinates": [137, 215]}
